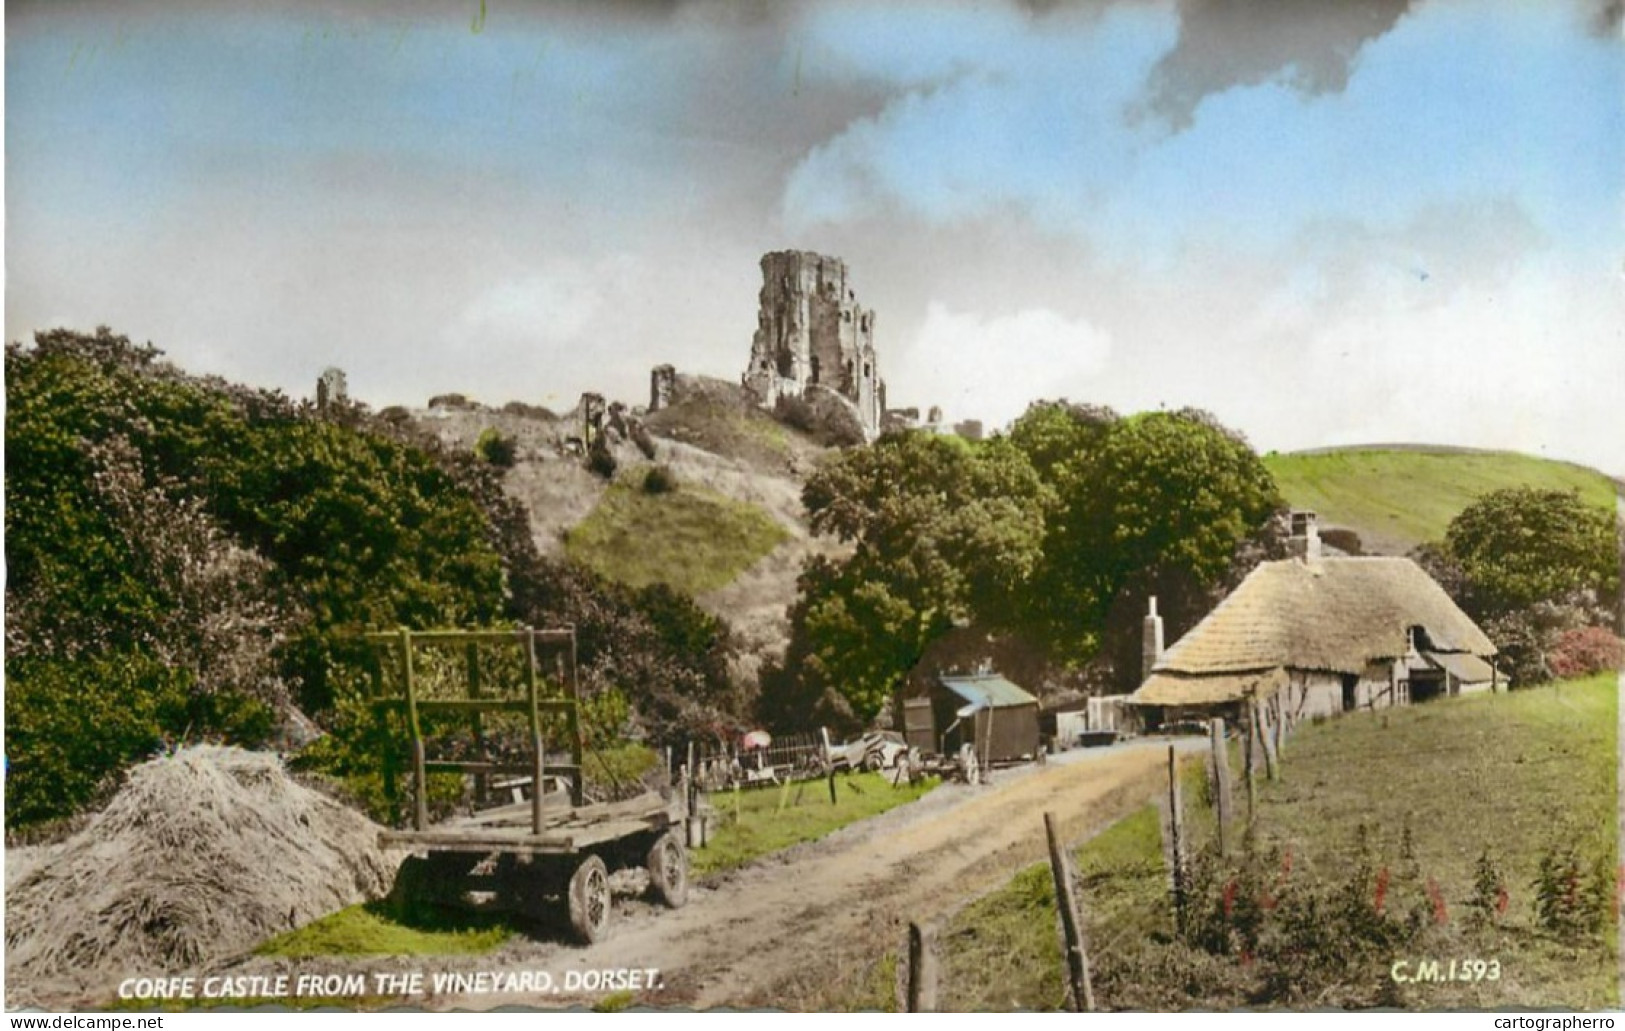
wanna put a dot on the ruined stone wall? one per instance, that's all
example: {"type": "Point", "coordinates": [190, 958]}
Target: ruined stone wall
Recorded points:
{"type": "Point", "coordinates": [811, 332]}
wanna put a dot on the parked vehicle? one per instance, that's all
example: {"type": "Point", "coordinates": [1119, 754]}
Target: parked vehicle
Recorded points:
{"type": "Point", "coordinates": [876, 750]}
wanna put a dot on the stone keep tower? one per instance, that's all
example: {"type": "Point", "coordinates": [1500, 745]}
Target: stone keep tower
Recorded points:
{"type": "Point", "coordinates": [811, 336]}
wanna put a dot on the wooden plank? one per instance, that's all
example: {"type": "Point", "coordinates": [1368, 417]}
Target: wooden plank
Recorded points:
{"type": "Point", "coordinates": [561, 839]}
{"type": "Point", "coordinates": [470, 766]}
{"type": "Point", "coordinates": [645, 805]}
{"type": "Point", "coordinates": [550, 639]}
{"type": "Point", "coordinates": [420, 788]}
{"type": "Point", "coordinates": [538, 745]}
{"type": "Point", "coordinates": [471, 655]}
{"type": "Point", "coordinates": [578, 737]}
{"type": "Point", "coordinates": [482, 704]}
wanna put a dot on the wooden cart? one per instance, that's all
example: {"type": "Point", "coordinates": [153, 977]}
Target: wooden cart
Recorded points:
{"type": "Point", "coordinates": [530, 856]}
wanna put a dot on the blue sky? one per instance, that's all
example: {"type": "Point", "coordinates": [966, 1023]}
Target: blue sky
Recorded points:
{"type": "Point", "coordinates": [1369, 220]}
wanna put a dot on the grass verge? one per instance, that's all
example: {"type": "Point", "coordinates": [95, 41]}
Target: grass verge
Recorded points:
{"type": "Point", "coordinates": [693, 539]}
{"type": "Point", "coordinates": [755, 823]}
{"type": "Point", "coordinates": [375, 929]}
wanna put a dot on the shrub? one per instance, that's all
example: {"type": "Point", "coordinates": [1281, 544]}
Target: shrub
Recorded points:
{"type": "Point", "coordinates": [601, 461]}
{"type": "Point", "coordinates": [1583, 651]}
{"type": "Point", "coordinates": [460, 402]}
{"type": "Point", "coordinates": [497, 448]}
{"type": "Point", "coordinates": [530, 411]}
{"type": "Point", "coordinates": [659, 480]}
{"type": "Point", "coordinates": [1573, 898]}
{"type": "Point", "coordinates": [1489, 899]}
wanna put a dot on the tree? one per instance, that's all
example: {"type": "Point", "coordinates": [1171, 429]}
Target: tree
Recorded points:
{"type": "Point", "coordinates": [1521, 545]}
{"type": "Point", "coordinates": [1531, 566]}
{"type": "Point", "coordinates": [1164, 503]}
{"type": "Point", "coordinates": [942, 531]}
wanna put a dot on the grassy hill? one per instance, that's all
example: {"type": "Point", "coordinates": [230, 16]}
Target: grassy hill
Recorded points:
{"type": "Point", "coordinates": [690, 538]}
{"type": "Point", "coordinates": [1421, 801]}
{"type": "Point", "coordinates": [1398, 497]}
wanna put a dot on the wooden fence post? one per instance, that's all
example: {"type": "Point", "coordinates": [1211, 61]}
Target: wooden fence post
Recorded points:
{"type": "Point", "coordinates": [1266, 738]}
{"type": "Point", "coordinates": [1280, 725]}
{"type": "Point", "coordinates": [1066, 900]}
{"type": "Point", "coordinates": [824, 734]}
{"type": "Point", "coordinates": [1221, 782]}
{"type": "Point", "coordinates": [1249, 765]}
{"type": "Point", "coordinates": [1176, 830]}
{"type": "Point", "coordinates": [922, 970]}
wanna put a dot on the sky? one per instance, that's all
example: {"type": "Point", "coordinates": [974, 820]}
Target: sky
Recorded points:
{"type": "Point", "coordinates": [1328, 223]}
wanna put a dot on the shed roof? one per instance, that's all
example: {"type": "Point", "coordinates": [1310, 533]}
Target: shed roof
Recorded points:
{"type": "Point", "coordinates": [1469, 669]}
{"type": "Point", "coordinates": [1332, 614]}
{"type": "Point", "coordinates": [988, 690]}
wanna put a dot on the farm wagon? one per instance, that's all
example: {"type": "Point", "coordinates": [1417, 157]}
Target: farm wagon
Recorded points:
{"type": "Point", "coordinates": [536, 855]}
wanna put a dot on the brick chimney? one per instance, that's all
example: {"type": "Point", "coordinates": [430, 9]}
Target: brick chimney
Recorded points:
{"type": "Point", "coordinates": [1304, 541]}
{"type": "Point", "coordinates": [1151, 641]}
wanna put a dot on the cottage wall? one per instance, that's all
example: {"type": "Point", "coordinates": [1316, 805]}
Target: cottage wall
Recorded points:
{"type": "Point", "coordinates": [1380, 687]}
{"type": "Point", "coordinates": [1310, 694]}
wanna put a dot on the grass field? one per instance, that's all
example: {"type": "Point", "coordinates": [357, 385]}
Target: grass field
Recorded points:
{"type": "Point", "coordinates": [373, 929]}
{"type": "Point", "coordinates": [693, 539]}
{"type": "Point", "coordinates": [770, 819]}
{"type": "Point", "coordinates": [1412, 799]}
{"type": "Point", "coordinates": [1396, 499]}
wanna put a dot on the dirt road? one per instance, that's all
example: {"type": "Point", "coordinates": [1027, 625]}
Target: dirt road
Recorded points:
{"type": "Point", "coordinates": [780, 932]}
{"type": "Point", "coordinates": [764, 934]}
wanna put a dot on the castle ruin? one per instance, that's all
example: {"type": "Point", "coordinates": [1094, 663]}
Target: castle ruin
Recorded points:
{"type": "Point", "coordinates": [813, 341]}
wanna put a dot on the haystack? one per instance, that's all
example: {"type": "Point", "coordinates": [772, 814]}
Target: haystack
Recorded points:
{"type": "Point", "coordinates": [201, 856]}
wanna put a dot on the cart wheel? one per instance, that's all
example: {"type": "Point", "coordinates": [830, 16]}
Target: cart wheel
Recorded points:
{"type": "Point", "coordinates": [668, 870]}
{"type": "Point", "coordinates": [968, 764]}
{"type": "Point", "coordinates": [589, 899]}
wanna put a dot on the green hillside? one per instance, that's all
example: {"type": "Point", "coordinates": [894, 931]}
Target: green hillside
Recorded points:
{"type": "Point", "coordinates": [1397, 498]}
{"type": "Point", "coordinates": [692, 539]}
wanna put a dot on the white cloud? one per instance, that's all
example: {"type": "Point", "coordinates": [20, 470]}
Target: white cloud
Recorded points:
{"type": "Point", "coordinates": [550, 306]}
{"type": "Point", "coordinates": [991, 367]}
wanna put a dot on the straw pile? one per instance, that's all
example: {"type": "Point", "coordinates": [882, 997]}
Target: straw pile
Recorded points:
{"type": "Point", "coordinates": [200, 856]}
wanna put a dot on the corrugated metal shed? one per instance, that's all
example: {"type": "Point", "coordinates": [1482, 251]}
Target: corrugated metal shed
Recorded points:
{"type": "Point", "coordinates": [983, 710]}
{"type": "Point", "coordinates": [987, 690]}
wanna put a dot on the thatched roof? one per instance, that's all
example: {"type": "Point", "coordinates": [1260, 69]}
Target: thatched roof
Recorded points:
{"type": "Point", "coordinates": [1335, 615]}
{"type": "Point", "coordinates": [1209, 689]}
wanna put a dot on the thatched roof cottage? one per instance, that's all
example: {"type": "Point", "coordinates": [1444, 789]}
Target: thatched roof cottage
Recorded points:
{"type": "Point", "coordinates": [1327, 634]}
